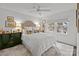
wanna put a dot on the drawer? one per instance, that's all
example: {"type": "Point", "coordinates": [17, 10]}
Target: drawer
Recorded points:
{"type": "Point", "coordinates": [5, 39]}
{"type": "Point", "coordinates": [16, 35]}
{"type": "Point", "coordinates": [10, 44]}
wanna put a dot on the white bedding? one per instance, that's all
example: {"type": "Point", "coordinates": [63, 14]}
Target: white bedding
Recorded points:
{"type": "Point", "coordinates": [38, 43]}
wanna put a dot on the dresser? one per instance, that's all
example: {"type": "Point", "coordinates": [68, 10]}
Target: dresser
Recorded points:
{"type": "Point", "coordinates": [10, 40]}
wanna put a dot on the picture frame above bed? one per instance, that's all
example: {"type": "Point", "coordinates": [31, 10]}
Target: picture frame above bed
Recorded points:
{"type": "Point", "coordinates": [62, 27]}
{"type": "Point", "coordinates": [59, 26]}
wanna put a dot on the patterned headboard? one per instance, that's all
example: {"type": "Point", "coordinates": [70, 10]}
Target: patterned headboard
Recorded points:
{"type": "Point", "coordinates": [28, 24]}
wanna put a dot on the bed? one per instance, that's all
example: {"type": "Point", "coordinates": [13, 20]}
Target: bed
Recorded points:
{"type": "Point", "coordinates": [41, 44]}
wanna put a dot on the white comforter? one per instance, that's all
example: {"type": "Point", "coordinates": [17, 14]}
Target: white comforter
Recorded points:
{"type": "Point", "coordinates": [38, 43]}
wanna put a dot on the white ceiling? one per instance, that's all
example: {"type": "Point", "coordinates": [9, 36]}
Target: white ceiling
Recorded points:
{"type": "Point", "coordinates": [26, 8]}
{"type": "Point", "coordinates": [22, 11]}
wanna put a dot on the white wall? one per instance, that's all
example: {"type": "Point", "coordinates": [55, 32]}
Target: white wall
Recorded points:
{"type": "Point", "coordinates": [17, 16]}
{"type": "Point", "coordinates": [78, 44]}
{"type": "Point", "coordinates": [71, 37]}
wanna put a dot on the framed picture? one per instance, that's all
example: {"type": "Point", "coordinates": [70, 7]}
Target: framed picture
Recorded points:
{"type": "Point", "coordinates": [51, 26]}
{"type": "Point", "coordinates": [10, 18]}
{"type": "Point", "coordinates": [10, 22]}
{"type": "Point", "coordinates": [62, 27]}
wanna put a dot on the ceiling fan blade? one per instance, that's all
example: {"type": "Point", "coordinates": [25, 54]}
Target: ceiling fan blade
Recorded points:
{"type": "Point", "coordinates": [45, 10]}
{"type": "Point", "coordinates": [40, 10]}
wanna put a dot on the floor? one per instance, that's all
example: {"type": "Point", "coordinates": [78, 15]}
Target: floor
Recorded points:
{"type": "Point", "coordinates": [20, 50]}
{"type": "Point", "coordinates": [65, 50]}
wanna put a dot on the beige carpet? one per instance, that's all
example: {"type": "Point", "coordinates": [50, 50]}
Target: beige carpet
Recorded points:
{"type": "Point", "coordinates": [18, 50]}
{"type": "Point", "coordinates": [65, 50]}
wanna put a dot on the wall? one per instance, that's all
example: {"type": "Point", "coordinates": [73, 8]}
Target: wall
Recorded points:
{"type": "Point", "coordinates": [17, 16]}
{"type": "Point", "coordinates": [71, 37]}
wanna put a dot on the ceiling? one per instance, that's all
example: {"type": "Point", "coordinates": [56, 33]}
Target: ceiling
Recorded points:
{"type": "Point", "coordinates": [26, 8]}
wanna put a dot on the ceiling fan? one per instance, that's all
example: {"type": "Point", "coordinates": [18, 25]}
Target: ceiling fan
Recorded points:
{"type": "Point", "coordinates": [38, 8]}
